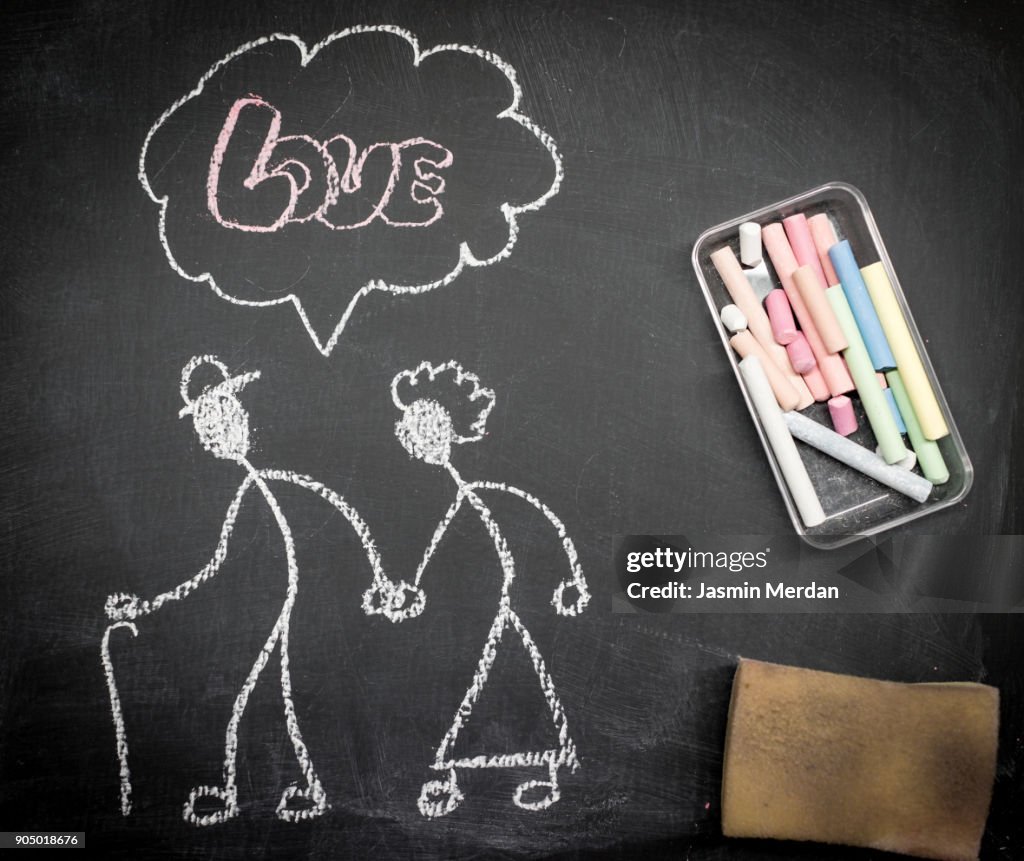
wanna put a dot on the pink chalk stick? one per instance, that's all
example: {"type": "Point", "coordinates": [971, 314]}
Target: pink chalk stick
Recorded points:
{"type": "Point", "coordinates": [800, 354]}
{"type": "Point", "coordinates": [802, 243]}
{"type": "Point", "coordinates": [843, 419]}
{"type": "Point", "coordinates": [824, 236]}
{"type": "Point", "coordinates": [832, 366]}
{"type": "Point", "coordinates": [820, 310]}
{"type": "Point", "coordinates": [816, 385]}
{"type": "Point", "coordinates": [780, 315]}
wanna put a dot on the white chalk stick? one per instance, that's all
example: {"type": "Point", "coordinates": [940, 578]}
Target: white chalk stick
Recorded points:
{"type": "Point", "coordinates": [734, 319]}
{"type": "Point", "coordinates": [788, 458]}
{"type": "Point", "coordinates": [857, 457]}
{"type": "Point", "coordinates": [750, 243]}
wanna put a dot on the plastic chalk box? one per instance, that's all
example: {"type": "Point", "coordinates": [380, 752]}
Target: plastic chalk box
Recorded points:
{"type": "Point", "coordinates": [854, 505]}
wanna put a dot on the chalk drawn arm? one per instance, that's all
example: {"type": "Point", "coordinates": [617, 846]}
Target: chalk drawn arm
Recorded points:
{"type": "Point", "coordinates": [404, 601]}
{"type": "Point", "coordinates": [572, 594]}
{"type": "Point", "coordinates": [123, 606]}
{"type": "Point", "coordinates": [396, 601]}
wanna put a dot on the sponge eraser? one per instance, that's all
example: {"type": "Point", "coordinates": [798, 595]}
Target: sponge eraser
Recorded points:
{"type": "Point", "coordinates": [833, 758]}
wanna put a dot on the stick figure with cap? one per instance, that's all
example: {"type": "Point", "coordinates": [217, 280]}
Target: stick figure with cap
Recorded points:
{"type": "Point", "coordinates": [222, 424]}
{"type": "Point", "coordinates": [427, 431]}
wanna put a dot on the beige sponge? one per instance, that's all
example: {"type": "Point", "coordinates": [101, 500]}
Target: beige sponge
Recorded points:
{"type": "Point", "coordinates": [838, 759]}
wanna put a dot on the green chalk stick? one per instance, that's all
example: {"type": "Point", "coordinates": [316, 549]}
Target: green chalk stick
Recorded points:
{"type": "Point", "coordinates": [863, 372]}
{"type": "Point", "coordinates": [929, 458]}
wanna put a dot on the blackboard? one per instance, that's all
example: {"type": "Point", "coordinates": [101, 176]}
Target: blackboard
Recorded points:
{"type": "Point", "coordinates": [642, 124]}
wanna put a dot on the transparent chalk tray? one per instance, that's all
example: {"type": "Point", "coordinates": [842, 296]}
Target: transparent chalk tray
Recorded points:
{"type": "Point", "coordinates": [855, 506]}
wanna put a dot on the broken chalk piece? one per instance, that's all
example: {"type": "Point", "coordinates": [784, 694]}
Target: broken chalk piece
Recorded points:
{"type": "Point", "coordinates": [909, 462]}
{"type": "Point", "coordinates": [800, 354]}
{"type": "Point", "coordinates": [859, 458]}
{"type": "Point", "coordinates": [824, 236]}
{"type": "Point", "coordinates": [750, 243]}
{"type": "Point", "coordinates": [840, 409]}
{"type": "Point", "coordinates": [794, 473]}
{"type": "Point", "coordinates": [833, 758]}
{"type": "Point", "coordinates": [733, 318]}
{"type": "Point", "coordinates": [780, 315]}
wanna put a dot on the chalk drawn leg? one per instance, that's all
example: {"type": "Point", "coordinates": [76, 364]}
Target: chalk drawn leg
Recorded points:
{"type": "Point", "coordinates": [306, 803]}
{"type": "Point", "coordinates": [115, 710]}
{"type": "Point", "coordinates": [440, 797]}
{"type": "Point", "coordinates": [566, 753]}
{"type": "Point", "coordinates": [228, 794]}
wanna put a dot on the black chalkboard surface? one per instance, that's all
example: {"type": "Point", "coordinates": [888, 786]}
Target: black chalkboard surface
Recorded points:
{"type": "Point", "coordinates": [359, 279]}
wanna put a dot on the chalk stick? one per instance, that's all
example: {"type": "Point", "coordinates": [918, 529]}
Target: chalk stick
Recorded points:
{"type": "Point", "coordinates": [930, 459]}
{"type": "Point", "coordinates": [857, 457]}
{"type": "Point", "coordinates": [800, 355]}
{"type": "Point", "coordinates": [895, 410]}
{"type": "Point", "coordinates": [786, 395]}
{"type": "Point", "coordinates": [908, 360]}
{"type": "Point", "coordinates": [742, 293]}
{"type": "Point", "coordinates": [816, 385]}
{"type": "Point", "coordinates": [863, 309]}
{"type": "Point", "coordinates": [800, 240]}
{"type": "Point", "coordinates": [786, 456]}
{"type": "Point", "coordinates": [835, 373]}
{"type": "Point", "coordinates": [844, 419]}
{"type": "Point", "coordinates": [871, 397]}
{"type": "Point", "coordinates": [803, 390]}
{"type": "Point", "coordinates": [824, 236]}
{"type": "Point", "coordinates": [819, 309]}
{"type": "Point", "coordinates": [733, 319]}
{"type": "Point", "coordinates": [750, 243]}
{"type": "Point", "coordinates": [780, 315]}
{"type": "Point", "coordinates": [895, 767]}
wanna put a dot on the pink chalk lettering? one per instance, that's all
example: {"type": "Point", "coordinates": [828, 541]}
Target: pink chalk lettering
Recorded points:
{"type": "Point", "coordinates": [298, 179]}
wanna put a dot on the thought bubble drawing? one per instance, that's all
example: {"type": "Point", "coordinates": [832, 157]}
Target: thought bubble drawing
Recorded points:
{"type": "Point", "coordinates": [319, 175]}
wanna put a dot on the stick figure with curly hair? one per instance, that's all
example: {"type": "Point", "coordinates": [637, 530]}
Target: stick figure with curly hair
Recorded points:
{"type": "Point", "coordinates": [427, 432]}
{"type": "Point", "coordinates": [222, 424]}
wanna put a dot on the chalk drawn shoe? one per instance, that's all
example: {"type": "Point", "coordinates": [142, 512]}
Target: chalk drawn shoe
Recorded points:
{"type": "Point", "coordinates": [536, 794]}
{"type": "Point", "coordinates": [200, 810]}
{"type": "Point", "coordinates": [299, 804]}
{"type": "Point", "coordinates": [439, 797]}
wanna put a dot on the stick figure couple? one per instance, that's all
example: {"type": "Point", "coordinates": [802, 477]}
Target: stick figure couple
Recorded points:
{"type": "Point", "coordinates": [427, 430]}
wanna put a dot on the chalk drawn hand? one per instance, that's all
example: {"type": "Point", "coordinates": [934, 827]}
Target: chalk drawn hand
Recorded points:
{"type": "Point", "coordinates": [571, 597]}
{"type": "Point", "coordinates": [395, 601]}
{"type": "Point", "coordinates": [121, 607]}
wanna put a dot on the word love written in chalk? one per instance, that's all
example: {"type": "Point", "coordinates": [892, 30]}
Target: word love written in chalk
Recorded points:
{"type": "Point", "coordinates": [376, 183]}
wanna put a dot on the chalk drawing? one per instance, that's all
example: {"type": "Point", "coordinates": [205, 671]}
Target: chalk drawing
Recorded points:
{"type": "Point", "coordinates": [425, 188]}
{"type": "Point", "coordinates": [426, 430]}
{"type": "Point", "coordinates": [222, 425]}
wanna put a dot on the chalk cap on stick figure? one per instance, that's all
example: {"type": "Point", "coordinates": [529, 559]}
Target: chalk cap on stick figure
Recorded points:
{"type": "Point", "coordinates": [220, 421]}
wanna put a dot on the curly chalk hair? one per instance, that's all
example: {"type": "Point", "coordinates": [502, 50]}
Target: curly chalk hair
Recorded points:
{"type": "Point", "coordinates": [442, 405]}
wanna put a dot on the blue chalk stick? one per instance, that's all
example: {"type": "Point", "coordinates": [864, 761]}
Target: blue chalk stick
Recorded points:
{"type": "Point", "coordinates": [860, 303]}
{"type": "Point", "coordinates": [891, 398]}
